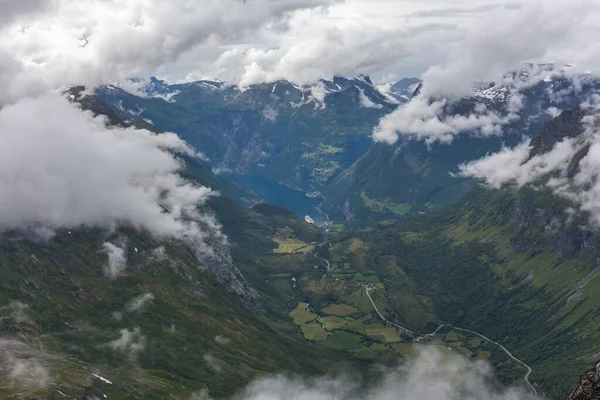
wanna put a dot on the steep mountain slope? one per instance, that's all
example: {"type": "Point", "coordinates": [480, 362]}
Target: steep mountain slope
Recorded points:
{"type": "Point", "coordinates": [589, 385]}
{"type": "Point", "coordinates": [410, 177]}
{"type": "Point", "coordinates": [392, 181]}
{"type": "Point", "coordinates": [202, 171]}
{"type": "Point", "coordinates": [174, 323]}
{"type": "Point", "coordinates": [403, 90]}
{"type": "Point", "coordinates": [298, 136]}
{"type": "Point", "coordinates": [519, 266]}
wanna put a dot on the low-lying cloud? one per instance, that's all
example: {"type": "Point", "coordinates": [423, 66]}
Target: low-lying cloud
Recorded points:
{"type": "Point", "coordinates": [138, 303]}
{"type": "Point", "coordinates": [16, 312]}
{"type": "Point", "coordinates": [426, 119]}
{"type": "Point", "coordinates": [554, 169]}
{"type": "Point", "coordinates": [507, 39]}
{"type": "Point", "coordinates": [62, 168]}
{"type": "Point", "coordinates": [431, 375]}
{"type": "Point", "coordinates": [23, 366]}
{"type": "Point", "coordinates": [130, 342]}
{"type": "Point", "coordinates": [117, 262]}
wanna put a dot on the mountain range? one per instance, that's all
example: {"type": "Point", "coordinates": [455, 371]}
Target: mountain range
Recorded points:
{"type": "Point", "coordinates": [419, 253]}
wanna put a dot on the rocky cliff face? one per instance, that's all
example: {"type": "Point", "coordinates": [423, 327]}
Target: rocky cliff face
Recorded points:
{"type": "Point", "coordinates": [589, 385]}
{"type": "Point", "coordinates": [213, 251]}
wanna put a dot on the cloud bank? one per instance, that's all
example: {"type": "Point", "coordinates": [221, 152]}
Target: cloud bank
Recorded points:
{"type": "Point", "coordinates": [67, 42]}
{"type": "Point", "coordinates": [72, 42]}
{"type": "Point", "coordinates": [505, 40]}
{"type": "Point", "coordinates": [556, 169]}
{"type": "Point", "coordinates": [425, 119]}
{"type": "Point", "coordinates": [65, 169]}
{"type": "Point", "coordinates": [431, 375]}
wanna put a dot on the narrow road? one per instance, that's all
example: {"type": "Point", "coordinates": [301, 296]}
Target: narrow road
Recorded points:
{"type": "Point", "coordinates": [416, 338]}
{"type": "Point", "coordinates": [322, 259]}
{"type": "Point", "coordinates": [367, 290]}
{"type": "Point", "coordinates": [318, 208]}
{"type": "Point", "coordinates": [316, 320]}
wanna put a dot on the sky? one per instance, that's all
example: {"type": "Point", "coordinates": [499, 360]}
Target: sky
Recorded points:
{"type": "Point", "coordinates": [46, 43]}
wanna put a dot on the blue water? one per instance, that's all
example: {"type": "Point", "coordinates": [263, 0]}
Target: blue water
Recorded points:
{"type": "Point", "coordinates": [281, 195]}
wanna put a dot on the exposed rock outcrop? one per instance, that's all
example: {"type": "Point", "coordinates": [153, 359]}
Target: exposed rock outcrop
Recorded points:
{"type": "Point", "coordinates": [589, 385]}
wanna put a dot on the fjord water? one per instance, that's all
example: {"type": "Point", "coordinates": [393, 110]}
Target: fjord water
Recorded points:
{"type": "Point", "coordinates": [275, 193]}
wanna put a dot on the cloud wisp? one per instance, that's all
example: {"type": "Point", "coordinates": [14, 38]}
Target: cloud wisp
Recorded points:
{"type": "Point", "coordinates": [117, 262]}
{"type": "Point", "coordinates": [138, 303]}
{"type": "Point", "coordinates": [23, 366]}
{"type": "Point", "coordinates": [130, 342]}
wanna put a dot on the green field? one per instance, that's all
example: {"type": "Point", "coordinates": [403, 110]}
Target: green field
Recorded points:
{"type": "Point", "coordinates": [341, 310]}
{"type": "Point", "coordinates": [386, 206]}
{"type": "Point", "coordinates": [287, 246]}
{"type": "Point", "coordinates": [389, 335]}
{"type": "Point", "coordinates": [341, 340]}
{"type": "Point", "coordinates": [314, 332]}
{"type": "Point", "coordinates": [333, 322]}
{"type": "Point", "coordinates": [403, 349]}
{"type": "Point", "coordinates": [301, 316]}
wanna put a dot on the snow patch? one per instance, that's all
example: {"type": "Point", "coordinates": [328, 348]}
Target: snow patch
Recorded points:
{"type": "Point", "coordinates": [103, 379]}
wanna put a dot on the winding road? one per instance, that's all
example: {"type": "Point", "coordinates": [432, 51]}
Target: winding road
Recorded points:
{"type": "Point", "coordinates": [417, 338]}
{"type": "Point", "coordinates": [322, 259]}
{"type": "Point", "coordinates": [318, 208]}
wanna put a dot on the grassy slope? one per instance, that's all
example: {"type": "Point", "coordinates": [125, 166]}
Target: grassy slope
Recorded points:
{"type": "Point", "coordinates": [71, 317]}
{"type": "Point", "coordinates": [495, 265]}
{"type": "Point", "coordinates": [196, 335]}
{"type": "Point", "coordinates": [303, 145]}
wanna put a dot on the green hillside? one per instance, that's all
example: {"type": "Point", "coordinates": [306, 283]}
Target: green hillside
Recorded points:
{"type": "Point", "coordinates": [170, 325]}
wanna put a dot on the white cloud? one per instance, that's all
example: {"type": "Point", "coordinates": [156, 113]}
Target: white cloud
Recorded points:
{"type": "Point", "coordinates": [65, 169]}
{"type": "Point", "coordinates": [65, 42]}
{"type": "Point", "coordinates": [315, 47]}
{"type": "Point", "coordinates": [425, 119]}
{"type": "Point", "coordinates": [517, 167]}
{"type": "Point", "coordinates": [19, 11]}
{"type": "Point", "coordinates": [431, 375]}
{"type": "Point", "coordinates": [366, 102]}
{"type": "Point", "coordinates": [319, 92]}
{"type": "Point", "coordinates": [26, 372]}
{"type": "Point", "coordinates": [23, 366]}
{"type": "Point", "coordinates": [498, 168]}
{"type": "Point", "coordinates": [213, 362]}
{"type": "Point", "coordinates": [138, 303]}
{"type": "Point", "coordinates": [117, 262]}
{"type": "Point", "coordinates": [222, 339]}
{"type": "Point", "coordinates": [514, 165]}
{"type": "Point", "coordinates": [504, 40]}
{"type": "Point", "coordinates": [130, 342]}
{"type": "Point", "coordinates": [201, 395]}
{"type": "Point", "coordinates": [17, 312]}
{"type": "Point", "coordinates": [81, 42]}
